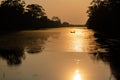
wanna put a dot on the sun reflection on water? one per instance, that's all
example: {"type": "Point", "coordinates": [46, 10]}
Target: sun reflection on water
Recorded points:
{"type": "Point", "coordinates": [80, 40]}
{"type": "Point", "coordinates": [77, 75]}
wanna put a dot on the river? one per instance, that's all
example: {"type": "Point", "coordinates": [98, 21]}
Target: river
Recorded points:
{"type": "Point", "coordinates": [73, 53]}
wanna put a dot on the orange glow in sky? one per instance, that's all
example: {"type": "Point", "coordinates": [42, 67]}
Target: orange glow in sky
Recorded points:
{"type": "Point", "coordinates": [72, 11]}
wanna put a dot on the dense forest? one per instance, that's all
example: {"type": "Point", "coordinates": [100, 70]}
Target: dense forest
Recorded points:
{"type": "Point", "coordinates": [104, 17]}
{"type": "Point", "coordinates": [16, 15]}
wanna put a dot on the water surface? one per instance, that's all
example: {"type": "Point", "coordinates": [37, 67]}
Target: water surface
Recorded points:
{"type": "Point", "coordinates": [55, 54]}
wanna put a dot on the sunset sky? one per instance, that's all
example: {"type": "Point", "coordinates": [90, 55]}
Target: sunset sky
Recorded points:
{"type": "Point", "coordinates": [72, 11]}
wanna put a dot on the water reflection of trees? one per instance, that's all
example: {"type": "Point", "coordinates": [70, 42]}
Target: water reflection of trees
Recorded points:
{"type": "Point", "coordinates": [14, 47]}
{"type": "Point", "coordinates": [112, 57]}
{"type": "Point", "coordinates": [12, 56]}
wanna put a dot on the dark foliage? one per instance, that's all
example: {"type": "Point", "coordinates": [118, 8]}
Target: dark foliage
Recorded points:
{"type": "Point", "coordinates": [104, 17]}
{"type": "Point", "coordinates": [14, 16]}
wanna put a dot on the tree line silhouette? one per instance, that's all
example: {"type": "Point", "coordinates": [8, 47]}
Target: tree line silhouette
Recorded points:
{"type": "Point", "coordinates": [104, 17]}
{"type": "Point", "coordinates": [16, 15]}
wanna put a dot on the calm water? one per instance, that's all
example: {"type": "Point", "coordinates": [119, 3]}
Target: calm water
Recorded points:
{"type": "Point", "coordinates": [58, 54]}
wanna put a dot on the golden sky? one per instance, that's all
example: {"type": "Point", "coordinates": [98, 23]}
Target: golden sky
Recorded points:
{"type": "Point", "coordinates": [72, 11]}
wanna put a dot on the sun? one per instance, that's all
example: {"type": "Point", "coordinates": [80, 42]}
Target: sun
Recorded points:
{"type": "Point", "coordinates": [77, 75]}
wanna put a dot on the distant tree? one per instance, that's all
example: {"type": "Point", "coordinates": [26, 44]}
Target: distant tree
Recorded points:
{"type": "Point", "coordinates": [56, 21]}
{"type": "Point", "coordinates": [35, 10]}
{"type": "Point", "coordinates": [65, 24]}
{"type": "Point", "coordinates": [54, 18]}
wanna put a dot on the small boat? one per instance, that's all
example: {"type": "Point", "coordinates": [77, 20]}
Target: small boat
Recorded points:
{"type": "Point", "coordinates": [72, 32]}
